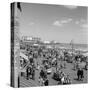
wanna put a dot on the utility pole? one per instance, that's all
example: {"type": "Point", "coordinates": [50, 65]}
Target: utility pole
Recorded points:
{"type": "Point", "coordinates": [72, 46]}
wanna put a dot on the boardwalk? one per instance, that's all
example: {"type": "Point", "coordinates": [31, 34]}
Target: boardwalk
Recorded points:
{"type": "Point", "coordinates": [67, 70]}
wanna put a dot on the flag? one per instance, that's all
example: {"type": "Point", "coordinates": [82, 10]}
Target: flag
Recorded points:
{"type": "Point", "coordinates": [19, 6]}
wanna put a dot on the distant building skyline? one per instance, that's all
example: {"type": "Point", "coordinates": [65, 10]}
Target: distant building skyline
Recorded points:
{"type": "Point", "coordinates": [60, 23]}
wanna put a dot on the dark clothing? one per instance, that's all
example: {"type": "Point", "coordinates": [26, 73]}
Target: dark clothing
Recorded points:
{"type": "Point", "coordinates": [43, 74]}
{"type": "Point", "coordinates": [80, 74]}
{"type": "Point", "coordinates": [46, 83]}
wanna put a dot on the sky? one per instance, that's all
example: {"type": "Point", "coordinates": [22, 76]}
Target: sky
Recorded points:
{"type": "Point", "coordinates": [61, 23]}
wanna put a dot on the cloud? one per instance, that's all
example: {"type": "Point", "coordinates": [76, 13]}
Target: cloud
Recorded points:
{"type": "Point", "coordinates": [77, 22]}
{"type": "Point", "coordinates": [82, 23]}
{"type": "Point", "coordinates": [62, 22]}
{"type": "Point", "coordinates": [57, 23]}
{"type": "Point", "coordinates": [85, 25]}
{"type": "Point", "coordinates": [69, 19]}
{"type": "Point", "coordinates": [71, 7]}
{"type": "Point", "coordinates": [66, 21]}
{"type": "Point", "coordinates": [31, 23]}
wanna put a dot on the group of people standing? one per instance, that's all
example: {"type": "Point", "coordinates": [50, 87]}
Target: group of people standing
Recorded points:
{"type": "Point", "coordinates": [52, 57]}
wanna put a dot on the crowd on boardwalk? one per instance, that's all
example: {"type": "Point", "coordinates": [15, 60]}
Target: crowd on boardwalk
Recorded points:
{"type": "Point", "coordinates": [51, 61]}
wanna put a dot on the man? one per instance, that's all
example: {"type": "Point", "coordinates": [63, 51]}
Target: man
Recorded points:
{"type": "Point", "coordinates": [46, 82]}
{"type": "Point", "coordinates": [43, 74]}
{"type": "Point", "coordinates": [28, 72]}
{"type": "Point", "coordinates": [80, 74]}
